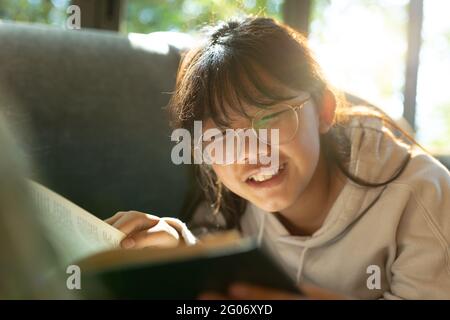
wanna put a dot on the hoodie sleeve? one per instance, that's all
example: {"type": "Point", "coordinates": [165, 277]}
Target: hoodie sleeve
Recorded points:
{"type": "Point", "coordinates": [184, 232]}
{"type": "Point", "coordinates": [421, 269]}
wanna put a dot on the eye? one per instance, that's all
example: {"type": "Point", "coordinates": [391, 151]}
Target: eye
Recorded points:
{"type": "Point", "coordinates": [267, 119]}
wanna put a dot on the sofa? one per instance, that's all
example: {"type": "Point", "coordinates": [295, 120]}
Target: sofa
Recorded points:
{"type": "Point", "coordinates": [89, 107]}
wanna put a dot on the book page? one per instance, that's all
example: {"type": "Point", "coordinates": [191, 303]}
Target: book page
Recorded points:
{"type": "Point", "coordinates": [74, 232]}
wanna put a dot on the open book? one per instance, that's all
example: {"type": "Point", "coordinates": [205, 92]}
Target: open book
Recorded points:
{"type": "Point", "coordinates": [74, 232]}
{"type": "Point", "coordinates": [81, 238]}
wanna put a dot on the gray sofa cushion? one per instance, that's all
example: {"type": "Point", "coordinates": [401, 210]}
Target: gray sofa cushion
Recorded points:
{"type": "Point", "coordinates": [93, 103]}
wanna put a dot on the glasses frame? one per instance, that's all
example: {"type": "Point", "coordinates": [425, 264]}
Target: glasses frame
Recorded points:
{"type": "Point", "coordinates": [295, 108]}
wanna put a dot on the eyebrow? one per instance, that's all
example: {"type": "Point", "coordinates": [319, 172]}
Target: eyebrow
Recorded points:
{"type": "Point", "coordinates": [267, 107]}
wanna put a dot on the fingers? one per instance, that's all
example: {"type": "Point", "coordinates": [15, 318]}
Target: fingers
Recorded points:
{"type": "Point", "coordinates": [115, 217]}
{"type": "Point", "coordinates": [160, 235]}
{"type": "Point", "coordinates": [145, 230]}
{"type": "Point", "coordinates": [173, 222]}
{"type": "Point", "coordinates": [147, 238]}
{"type": "Point", "coordinates": [132, 221]}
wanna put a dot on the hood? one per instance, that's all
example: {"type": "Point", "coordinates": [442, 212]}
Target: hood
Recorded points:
{"type": "Point", "coordinates": [376, 156]}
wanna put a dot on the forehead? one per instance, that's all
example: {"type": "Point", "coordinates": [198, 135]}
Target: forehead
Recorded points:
{"type": "Point", "coordinates": [234, 92]}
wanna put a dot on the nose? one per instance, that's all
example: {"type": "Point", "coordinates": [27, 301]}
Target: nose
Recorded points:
{"type": "Point", "coordinates": [251, 150]}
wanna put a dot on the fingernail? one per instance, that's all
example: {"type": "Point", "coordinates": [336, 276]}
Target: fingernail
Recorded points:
{"type": "Point", "coordinates": [128, 243]}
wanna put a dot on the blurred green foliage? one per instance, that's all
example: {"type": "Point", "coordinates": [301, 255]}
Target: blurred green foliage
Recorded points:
{"type": "Point", "coordinates": [144, 16]}
{"type": "Point", "coordinates": [35, 11]}
{"type": "Point", "coordinates": [183, 15]}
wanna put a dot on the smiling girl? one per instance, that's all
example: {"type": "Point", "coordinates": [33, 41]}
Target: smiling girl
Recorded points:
{"type": "Point", "coordinates": [354, 206]}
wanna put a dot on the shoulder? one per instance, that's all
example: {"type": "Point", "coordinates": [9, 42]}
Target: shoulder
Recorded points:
{"type": "Point", "coordinates": [423, 233]}
{"type": "Point", "coordinates": [426, 177]}
{"type": "Point", "coordinates": [427, 182]}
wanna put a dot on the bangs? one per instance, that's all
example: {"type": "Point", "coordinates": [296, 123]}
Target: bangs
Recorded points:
{"type": "Point", "coordinates": [231, 84]}
{"type": "Point", "coordinates": [253, 63]}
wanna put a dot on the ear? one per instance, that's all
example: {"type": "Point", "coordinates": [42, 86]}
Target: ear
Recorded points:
{"type": "Point", "coordinates": [327, 111]}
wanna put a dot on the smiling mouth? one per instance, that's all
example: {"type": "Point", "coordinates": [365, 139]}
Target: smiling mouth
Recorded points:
{"type": "Point", "coordinates": [266, 177]}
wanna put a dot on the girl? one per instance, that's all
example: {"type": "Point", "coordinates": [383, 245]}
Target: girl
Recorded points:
{"type": "Point", "coordinates": [353, 206]}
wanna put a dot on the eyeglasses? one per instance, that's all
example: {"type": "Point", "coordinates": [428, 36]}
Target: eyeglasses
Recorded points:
{"type": "Point", "coordinates": [281, 118]}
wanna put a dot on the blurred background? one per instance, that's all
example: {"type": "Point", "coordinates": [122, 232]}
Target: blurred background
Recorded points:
{"type": "Point", "coordinates": [93, 100]}
{"type": "Point", "coordinates": [392, 53]}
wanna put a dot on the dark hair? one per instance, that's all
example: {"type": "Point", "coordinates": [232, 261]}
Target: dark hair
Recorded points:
{"type": "Point", "coordinates": [229, 67]}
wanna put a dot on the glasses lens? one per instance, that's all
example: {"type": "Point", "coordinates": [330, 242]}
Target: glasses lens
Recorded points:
{"type": "Point", "coordinates": [281, 118]}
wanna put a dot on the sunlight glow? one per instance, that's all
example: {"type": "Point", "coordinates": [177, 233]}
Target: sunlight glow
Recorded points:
{"type": "Point", "coordinates": [361, 46]}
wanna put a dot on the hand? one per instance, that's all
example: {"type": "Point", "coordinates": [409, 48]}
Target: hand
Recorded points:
{"type": "Point", "coordinates": [145, 230]}
{"type": "Point", "coordinates": [242, 291]}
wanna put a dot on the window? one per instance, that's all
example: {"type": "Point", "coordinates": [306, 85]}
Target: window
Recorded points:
{"type": "Point", "coordinates": [184, 15]}
{"type": "Point", "coordinates": [361, 45]}
{"type": "Point", "coordinates": [39, 11]}
{"type": "Point", "coordinates": [433, 95]}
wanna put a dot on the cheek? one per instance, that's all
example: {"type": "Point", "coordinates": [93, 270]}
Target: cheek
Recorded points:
{"type": "Point", "coordinates": [226, 175]}
{"type": "Point", "coordinates": [303, 153]}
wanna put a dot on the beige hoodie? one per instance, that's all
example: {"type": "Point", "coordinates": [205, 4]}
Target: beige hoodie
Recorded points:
{"type": "Point", "coordinates": [387, 242]}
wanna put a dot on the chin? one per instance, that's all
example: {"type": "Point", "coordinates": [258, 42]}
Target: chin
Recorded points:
{"type": "Point", "coordinates": [273, 205]}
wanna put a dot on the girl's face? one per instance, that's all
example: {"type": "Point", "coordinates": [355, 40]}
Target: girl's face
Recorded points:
{"type": "Point", "coordinates": [298, 160]}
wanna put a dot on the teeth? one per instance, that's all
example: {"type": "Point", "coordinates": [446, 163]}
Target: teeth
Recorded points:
{"type": "Point", "coordinates": [261, 177]}
{"type": "Point", "coordinates": [266, 174]}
